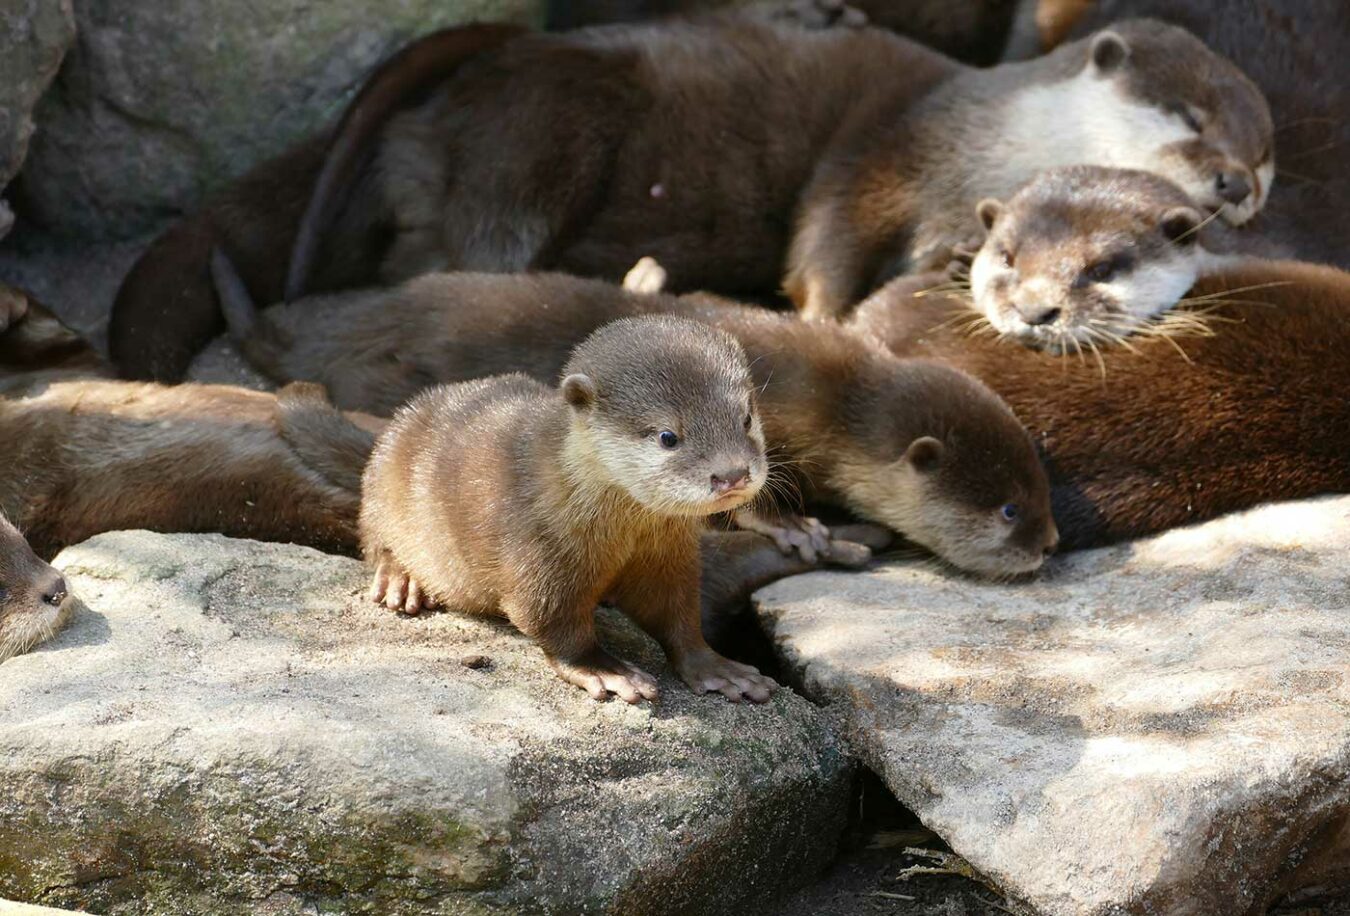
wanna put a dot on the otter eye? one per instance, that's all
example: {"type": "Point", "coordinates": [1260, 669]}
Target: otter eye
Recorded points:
{"type": "Point", "coordinates": [1188, 116]}
{"type": "Point", "coordinates": [1006, 257]}
{"type": "Point", "coordinates": [749, 421]}
{"type": "Point", "coordinates": [1100, 272]}
{"type": "Point", "coordinates": [1010, 512]}
{"type": "Point", "coordinates": [668, 439]}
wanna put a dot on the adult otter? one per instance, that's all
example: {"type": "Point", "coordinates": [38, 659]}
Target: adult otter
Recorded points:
{"type": "Point", "coordinates": [904, 444]}
{"type": "Point", "coordinates": [583, 152]}
{"type": "Point", "coordinates": [34, 601]}
{"type": "Point", "coordinates": [502, 496]}
{"type": "Point", "coordinates": [1237, 399]}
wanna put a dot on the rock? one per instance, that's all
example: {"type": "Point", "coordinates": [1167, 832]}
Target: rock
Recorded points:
{"type": "Point", "coordinates": [229, 728]}
{"type": "Point", "coordinates": [162, 102]}
{"type": "Point", "coordinates": [1157, 727]}
{"type": "Point", "coordinates": [8, 908]}
{"type": "Point", "coordinates": [34, 37]}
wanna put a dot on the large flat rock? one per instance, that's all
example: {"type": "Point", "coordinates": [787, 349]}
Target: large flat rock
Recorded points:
{"type": "Point", "coordinates": [228, 727]}
{"type": "Point", "coordinates": [1159, 727]}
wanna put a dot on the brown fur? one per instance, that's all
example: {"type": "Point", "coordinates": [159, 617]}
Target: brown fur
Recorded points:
{"type": "Point", "coordinates": [1150, 439]}
{"type": "Point", "coordinates": [1294, 52]}
{"type": "Point", "coordinates": [34, 601]}
{"type": "Point", "coordinates": [84, 454]}
{"type": "Point", "coordinates": [898, 193]}
{"type": "Point", "coordinates": [840, 415]}
{"type": "Point", "coordinates": [165, 310]}
{"type": "Point", "coordinates": [504, 497]}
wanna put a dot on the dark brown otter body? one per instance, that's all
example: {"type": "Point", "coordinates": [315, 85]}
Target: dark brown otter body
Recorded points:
{"type": "Point", "coordinates": [1295, 53]}
{"type": "Point", "coordinates": [1157, 436]}
{"type": "Point", "coordinates": [84, 454]}
{"type": "Point", "coordinates": [841, 415]}
{"type": "Point", "coordinates": [502, 496]}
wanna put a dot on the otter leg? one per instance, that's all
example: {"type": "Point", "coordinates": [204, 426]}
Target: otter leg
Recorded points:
{"type": "Point", "coordinates": [565, 630]}
{"type": "Point", "coordinates": [392, 587]}
{"type": "Point", "coordinates": [800, 533]}
{"type": "Point", "coordinates": [661, 593]}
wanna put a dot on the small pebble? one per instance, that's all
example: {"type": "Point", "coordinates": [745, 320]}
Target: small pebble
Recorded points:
{"type": "Point", "coordinates": [475, 661]}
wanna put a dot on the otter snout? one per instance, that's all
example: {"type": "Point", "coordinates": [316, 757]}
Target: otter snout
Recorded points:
{"type": "Point", "coordinates": [729, 481]}
{"type": "Point", "coordinates": [54, 592]}
{"type": "Point", "coordinates": [1233, 185]}
{"type": "Point", "coordinates": [1038, 313]}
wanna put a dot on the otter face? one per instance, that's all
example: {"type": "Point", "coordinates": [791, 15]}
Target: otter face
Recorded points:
{"type": "Point", "coordinates": [34, 603]}
{"type": "Point", "coordinates": [971, 489]}
{"type": "Point", "coordinates": [1153, 97]}
{"type": "Point", "coordinates": [668, 407]}
{"type": "Point", "coordinates": [1084, 255]}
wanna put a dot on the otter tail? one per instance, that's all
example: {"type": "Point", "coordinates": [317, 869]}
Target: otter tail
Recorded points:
{"type": "Point", "coordinates": [391, 87]}
{"type": "Point", "coordinates": [322, 437]}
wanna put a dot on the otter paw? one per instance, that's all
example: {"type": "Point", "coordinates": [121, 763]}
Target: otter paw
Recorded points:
{"type": "Point", "coordinates": [708, 672]}
{"type": "Point", "coordinates": [396, 590]}
{"type": "Point", "coordinates": [807, 536]}
{"type": "Point", "coordinates": [13, 306]}
{"type": "Point", "coordinates": [601, 674]}
{"type": "Point", "coordinates": [646, 276]}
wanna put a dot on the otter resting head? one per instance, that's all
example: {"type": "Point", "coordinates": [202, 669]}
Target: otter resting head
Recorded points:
{"type": "Point", "coordinates": [1175, 109]}
{"type": "Point", "coordinates": [1085, 255]}
{"type": "Point", "coordinates": [686, 440]}
{"type": "Point", "coordinates": [970, 488]}
{"type": "Point", "coordinates": [34, 603]}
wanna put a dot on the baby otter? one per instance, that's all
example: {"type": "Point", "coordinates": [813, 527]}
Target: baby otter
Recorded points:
{"type": "Point", "coordinates": [34, 601]}
{"type": "Point", "coordinates": [503, 496]}
{"type": "Point", "coordinates": [1084, 255]}
{"type": "Point", "coordinates": [908, 444]}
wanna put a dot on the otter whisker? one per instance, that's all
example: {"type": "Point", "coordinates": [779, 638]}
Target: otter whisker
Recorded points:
{"type": "Point", "coordinates": [1198, 226]}
{"type": "Point", "coordinates": [1240, 289]}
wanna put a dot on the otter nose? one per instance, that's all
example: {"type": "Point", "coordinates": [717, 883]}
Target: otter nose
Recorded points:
{"type": "Point", "coordinates": [1232, 186]}
{"type": "Point", "coordinates": [726, 481]}
{"type": "Point", "coordinates": [1034, 313]}
{"type": "Point", "coordinates": [55, 592]}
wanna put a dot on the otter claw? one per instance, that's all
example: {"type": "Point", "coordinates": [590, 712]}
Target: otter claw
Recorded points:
{"type": "Point", "coordinates": [711, 673]}
{"type": "Point", "coordinates": [396, 590]}
{"type": "Point", "coordinates": [646, 276]}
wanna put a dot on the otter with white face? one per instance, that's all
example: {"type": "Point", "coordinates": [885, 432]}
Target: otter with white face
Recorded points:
{"type": "Point", "coordinates": [1153, 97]}
{"type": "Point", "coordinates": [34, 601]}
{"type": "Point", "coordinates": [1085, 255]}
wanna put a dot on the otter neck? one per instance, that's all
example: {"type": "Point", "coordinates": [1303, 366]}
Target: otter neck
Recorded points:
{"type": "Point", "coordinates": [1095, 123]}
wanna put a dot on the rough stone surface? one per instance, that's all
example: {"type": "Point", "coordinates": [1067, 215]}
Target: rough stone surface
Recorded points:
{"type": "Point", "coordinates": [161, 102]}
{"type": "Point", "coordinates": [1161, 727]}
{"type": "Point", "coordinates": [228, 727]}
{"type": "Point", "coordinates": [34, 37]}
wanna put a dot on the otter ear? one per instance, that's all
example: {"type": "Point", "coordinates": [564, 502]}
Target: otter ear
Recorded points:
{"type": "Point", "coordinates": [1180, 224]}
{"type": "Point", "coordinates": [1109, 52]}
{"type": "Point", "coordinates": [924, 453]}
{"type": "Point", "coordinates": [579, 391]}
{"type": "Point", "coordinates": [988, 210]}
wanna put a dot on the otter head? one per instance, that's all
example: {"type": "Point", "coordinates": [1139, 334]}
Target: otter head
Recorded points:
{"type": "Point", "coordinates": [935, 455]}
{"type": "Point", "coordinates": [34, 603]}
{"type": "Point", "coordinates": [666, 407]}
{"type": "Point", "coordinates": [1152, 96]}
{"type": "Point", "coordinates": [1085, 254]}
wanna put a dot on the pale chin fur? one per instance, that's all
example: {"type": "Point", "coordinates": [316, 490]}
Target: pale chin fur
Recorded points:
{"type": "Point", "coordinates": [24, 631]}
{"type": "Point", "coordinates": [1112, 130]}
{"type": "Point", "coordinates": [1141, 294]}
{"type": "Point", "coordinates": [640, 468]}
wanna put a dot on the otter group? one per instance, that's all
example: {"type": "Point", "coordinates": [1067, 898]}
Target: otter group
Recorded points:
{"type": "Point", "coordinates": [448, 255]}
